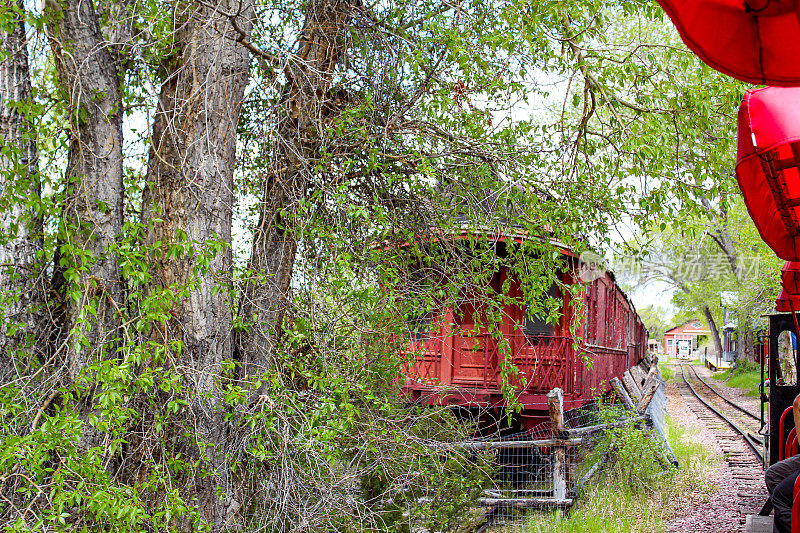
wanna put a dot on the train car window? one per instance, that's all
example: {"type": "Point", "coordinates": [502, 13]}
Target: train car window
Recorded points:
{"type": "Point", "coordinates": [610, 321]}
{"type": "Point", "coordinates": [631, 327]}
{"type": "Point", "coordinates": [787, 358]}
{"type": "Point", "coordinates": [600, 314]}
{"type": "Point", "coordinates": [536, 325]}
{"type": "Point", "coordinates": [420, 325]}
{"type": "Point", "coordinates": [591, 312]}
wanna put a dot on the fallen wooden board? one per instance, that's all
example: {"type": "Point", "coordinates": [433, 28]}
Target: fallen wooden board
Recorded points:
{"type": "Point", "coordinates": [523, 503]}
{"type": "Point", "coordinates": [623, 395]}
{"type": "Point", "coordinates": [513, 444]}
{"type": "Point", "coordinates": [639, 375]}
{"type": "Point", "coordinates": [630, 385]}
{"type": "Point", "coordinates": [519, 503]}
{"type": "Point", "coordinates": [585, 430]}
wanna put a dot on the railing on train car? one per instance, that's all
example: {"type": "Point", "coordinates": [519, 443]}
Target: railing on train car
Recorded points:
{"type": "Point", "coordinates": [470, 361]}
{"type": "Point", "coordinates": [426, 366]}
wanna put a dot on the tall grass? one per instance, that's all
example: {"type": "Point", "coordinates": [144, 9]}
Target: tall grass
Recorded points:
{"type": "Point", "coordinates": [746, 375]}
{"type": "Point", "coordinates": [635, 496]}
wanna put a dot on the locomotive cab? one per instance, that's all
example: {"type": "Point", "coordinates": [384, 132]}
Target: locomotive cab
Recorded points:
{"type": "Point", "coordinates": [781, 344]}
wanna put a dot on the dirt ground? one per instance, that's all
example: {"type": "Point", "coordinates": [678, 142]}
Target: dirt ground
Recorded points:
{"type": "Point", "coordinates": [720, 511]}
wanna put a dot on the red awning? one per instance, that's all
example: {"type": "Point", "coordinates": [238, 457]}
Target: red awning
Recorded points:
{"type": "Point", "coordinates": [790, 278]}
{"type": "Point", "coordinates": [786, 303]}
{"type": "Point", "coordinates": [752, 40]}
{"type": "Point", "coordinates": [767, 165]}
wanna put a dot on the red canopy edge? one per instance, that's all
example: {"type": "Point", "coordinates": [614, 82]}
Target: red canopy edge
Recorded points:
{"type": "Point", "coordinates": [790, 278]}
{"type": "Point", "coordinates": [768, 165]}
{"type": "Point", "coordinates": [756, 46]}
{"type": "Point", "coordinates": [786, 304]}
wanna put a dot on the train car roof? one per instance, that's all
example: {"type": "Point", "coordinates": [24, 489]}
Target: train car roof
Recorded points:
{"type": "Point", "coordinates": [465, 231]}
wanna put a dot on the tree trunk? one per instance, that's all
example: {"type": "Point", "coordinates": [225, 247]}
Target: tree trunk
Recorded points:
{"type": "Point", "coordinates": [301, 124]}
{"type": "Point", "coordinates": [188, 202]}
{"type": "Point", "coordinates": [721, 235]}
{"type": "Point", "coordinates": [712, 326]}
{"type": "Point", "coordinates": [189, 197]}
{"type": "Point", "coordinates": [21, 319]}
{"type": "Point", "coordinates": [92, 214]}
{"type": "Point", "coordinates": [744, 344]}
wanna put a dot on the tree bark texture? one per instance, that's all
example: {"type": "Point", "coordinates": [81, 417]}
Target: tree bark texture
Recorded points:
{"type": "Point", "coordinates": [190, 179]}
{"type": "Point", "coordinates": [300, 127]}
{"type": "Point", "coordinates": [21, 317]}
{"type": "Point", "coordinates": [188, 201]}
{"type": "Point", "coordinates": [92, 217]}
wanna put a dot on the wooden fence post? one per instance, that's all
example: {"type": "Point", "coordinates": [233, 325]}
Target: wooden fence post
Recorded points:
{"type": "Point", "coordinates": [650, 387]}
{"type": "Point", "coordinates": [555, 403]}
{"type": "Point", "coordinates": [639, 375]}
{"type": "Point", "coordinates": [631, 386]}
{"type": "Point", "coordinates": [616, 384]}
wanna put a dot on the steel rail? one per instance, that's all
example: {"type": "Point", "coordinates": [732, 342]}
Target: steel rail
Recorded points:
{"type": "Point", "coordinates": [732, 424]}
{"type": "Point", "coordinates": [733, 404]}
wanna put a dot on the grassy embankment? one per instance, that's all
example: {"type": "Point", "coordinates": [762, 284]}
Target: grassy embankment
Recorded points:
{"type": "Point", "coordinates": [635, 495]}
{"type": "Point", "coordinates": [745, 376]}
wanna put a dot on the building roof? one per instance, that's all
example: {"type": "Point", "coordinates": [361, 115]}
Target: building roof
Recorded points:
{"type": "Point", "coordinates": [690, 327]}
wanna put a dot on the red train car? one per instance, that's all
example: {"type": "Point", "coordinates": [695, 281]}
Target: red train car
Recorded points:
{"type": "Point", "coordinates": [454, 362]}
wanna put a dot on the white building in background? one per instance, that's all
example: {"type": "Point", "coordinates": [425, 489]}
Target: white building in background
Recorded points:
{"type": "Point", "coordinates": [682, 341]}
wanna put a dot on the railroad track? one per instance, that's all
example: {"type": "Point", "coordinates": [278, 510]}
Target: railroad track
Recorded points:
{"type": "Point", "coordinates": [725, 398]}
{"type": "Point", "coordinates": [742, 420]}
{"type": "Point", "coordinates": [741, 451]}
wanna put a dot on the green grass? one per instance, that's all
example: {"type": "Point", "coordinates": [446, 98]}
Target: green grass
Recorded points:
{"type": "Point", "coordinates": [667, 372]}
{"type": "Point", "coordinates": [621, 503]}
{"type": "Point", "coordinates": [745, 375]}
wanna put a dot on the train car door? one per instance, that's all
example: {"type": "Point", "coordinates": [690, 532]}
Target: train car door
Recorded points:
{"type": "Point", "coordinates": [475, 360]}
{"type": "Point", "coordinates": [684, 349]}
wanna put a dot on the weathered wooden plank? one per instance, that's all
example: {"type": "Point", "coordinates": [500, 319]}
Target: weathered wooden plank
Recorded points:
{"type": "Point", "coordinates": [647, 395]}
{"type": "Point", "coordinates": [591, 472]}
{"type": "Point", "coordinates": [555, 404]}
{"type": "Point", "coordinates": [519, 503]}
{"type": "Point", "coordinates": [651, 385]}
{"type": "Point", "coordinates": [631, 386]}
{"type": "Point", "coordinates": [514, 444]}
{"type": "Point", "coordinates": [522, 503]}
{"type": "Point", "coordinates": [623, 395]}
{"type": "Point", "coordinates": [639, 376]}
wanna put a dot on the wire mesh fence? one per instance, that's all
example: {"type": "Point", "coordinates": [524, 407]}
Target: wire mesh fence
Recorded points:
{"type": "Point", "coordinates": [529, 467]}
{"type": "Point", "coordinates": [547, 464]}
